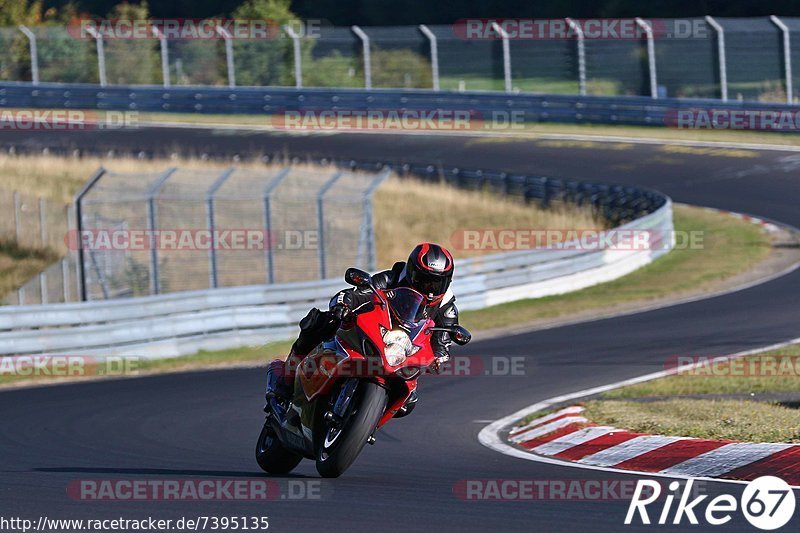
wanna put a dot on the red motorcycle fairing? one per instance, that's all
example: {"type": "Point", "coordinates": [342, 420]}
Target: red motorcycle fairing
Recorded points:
{"type": "Point", "coordinates": [321, 369]}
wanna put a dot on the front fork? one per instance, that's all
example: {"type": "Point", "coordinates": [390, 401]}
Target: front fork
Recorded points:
{"type": "Point", "coordinates": [338, 412]}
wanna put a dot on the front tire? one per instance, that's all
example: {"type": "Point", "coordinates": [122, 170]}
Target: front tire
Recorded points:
{"type": "Point", "coordinates": [339, 448]}
{"type": "Point", "coordinates": [271, 456]}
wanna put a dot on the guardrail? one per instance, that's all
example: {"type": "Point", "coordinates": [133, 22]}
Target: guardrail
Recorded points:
{"type": "Point", "coordinates": [183, 323]}
{"type": "Point", "coordinates": [625, 110]}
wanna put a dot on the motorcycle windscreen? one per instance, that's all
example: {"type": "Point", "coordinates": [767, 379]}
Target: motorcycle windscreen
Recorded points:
{"type": "Point", "coordinates": [407, 306]}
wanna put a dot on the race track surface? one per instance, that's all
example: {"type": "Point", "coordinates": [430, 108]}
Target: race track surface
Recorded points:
{"type": "Point", "coordinates": [204, 424]}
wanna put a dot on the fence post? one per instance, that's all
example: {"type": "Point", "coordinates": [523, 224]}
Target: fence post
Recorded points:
{"type": "Point", "coordinates": [298, 58]}
{"type": "Point", "coordinates": [228, 55]}
{"type": "Point", "coordinates": [34, 53]}
{"type": "Point", "coordinates": [162, 40]}
{"type": "Point", "coordinates": [434, 54]}
{"type": "Point", "coordinates": [787, 56]}
{"type": "Point", "coordinates": [269, 241]}
{"type": "Point", "coordinates": [65, 278]}
{"type": "Point", "coordinates": [506, 55]}
{"type": "Point", "coordinates": [152, 192]}
{"type": "Point", "coordinates": [101, 54]}
{"type": "Point", "coordinates": [80, 269]}
{"type": "Point", "coordinates": [17, 218]}
{"type": "Point", "coordinates": [367, 56]}
{"type": "Point", "coordinates": [43, 221]}
{"type": "Point", "coordinates": [43, 287]}
{"type": "Point", "coordinates": [580, 37]}
{"type": "Point", "coordinates": [321, 221]}
{"type": "Point", "coordinates": [368, 221]}
{"type": "Point", "coordinates": [723, 68]}
{"type": "Point", "coordinates": [651, 56]}
{"type": "Point", "coordinates": [213, 278]}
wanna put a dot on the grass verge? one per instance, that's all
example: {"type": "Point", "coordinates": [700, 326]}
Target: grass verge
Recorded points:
{"type": "Point", "coordinates": [753, 398]}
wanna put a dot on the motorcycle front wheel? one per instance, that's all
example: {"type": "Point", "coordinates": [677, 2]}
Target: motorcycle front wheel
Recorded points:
{"type": "Point", "coordinates": [339, 447]}
{"type": "Point", "coordinates": [271, 456]}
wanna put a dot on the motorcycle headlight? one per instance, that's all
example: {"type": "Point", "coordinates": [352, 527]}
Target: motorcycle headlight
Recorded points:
{"type": "Point", "coordinates": [398, 346]}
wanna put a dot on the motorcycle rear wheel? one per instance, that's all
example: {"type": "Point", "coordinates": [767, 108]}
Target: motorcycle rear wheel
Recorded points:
{"type": "Point", "coordinates": [338, 448]}
{"type": "Point", "coordinates": [271, 456]}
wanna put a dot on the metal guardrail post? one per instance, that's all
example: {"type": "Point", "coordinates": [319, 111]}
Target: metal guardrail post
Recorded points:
{"type": "Point", "coordinates": [162, 40]}
{"type": "Point", "coordinates": [213, 279]}
{"type": "Point", "coordinates": [101, 55]}
{"type": "Point", "coordinates": [152, 192]}
{"type": "Point", "coordinates": [298, 57]}
{"type": "Point", "coordinates": [269, 241]}
{"type": "Point", "coordinates": [321, 221]}
{"type": "Point", "coordinates": [581, 40]}
{"type": "Point", "coordinates": [651, 55]}
{"type": "Point", "coordinates": [787, 56]}
{"type": "Point", "coordinates": [434, 54]}
{"type": "Point", "coordinates": [723, 67]}
{"type": "Point", "coordinates": [34, 53]}
{"type": "Point", "coordinates": [506, 55]}
{"type": "Point", "coordinates": [80, 267]}
{"type": "Point", "coordinates": [367, 56]}
{"type": "Point", "coordinates": [368, 221]}
{"type": "Point", "coordinates": [226, 36]}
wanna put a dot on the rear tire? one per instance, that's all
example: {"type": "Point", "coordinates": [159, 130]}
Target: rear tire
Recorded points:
{"type": "Point", "coordinates": [271, 456]}
{"type": "Point", "coordinates": [338, 449]}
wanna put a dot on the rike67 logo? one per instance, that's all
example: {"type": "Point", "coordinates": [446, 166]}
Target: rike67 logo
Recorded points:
{"type": "Point", "coordinates": [767, 503]}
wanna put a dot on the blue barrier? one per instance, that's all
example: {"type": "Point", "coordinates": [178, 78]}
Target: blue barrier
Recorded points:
{"type": "Point", "coordinates": [626, 110]}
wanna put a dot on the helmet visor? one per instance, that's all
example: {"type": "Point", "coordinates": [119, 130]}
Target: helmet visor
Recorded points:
{"type": "Point", "coordinates": [429, 284]}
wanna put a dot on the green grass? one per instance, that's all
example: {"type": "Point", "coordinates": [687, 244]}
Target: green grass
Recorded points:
{"type": "Point", "coordinates": [19, 264]}
{"type": "Point", "coordinates": [731, 408]}
{"type": "Point", "coordinates": [777, 371]}
{"type": "Point", "coordinates": [731, 246]}
{"type": "Point", "coordinates": [702, 418]}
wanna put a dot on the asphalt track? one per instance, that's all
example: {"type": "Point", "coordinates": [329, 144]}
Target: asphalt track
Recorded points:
{"type": "Point", "coordinates": [203, 425]}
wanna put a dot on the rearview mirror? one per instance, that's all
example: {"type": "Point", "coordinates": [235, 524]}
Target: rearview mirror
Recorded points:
{"type": "Point", "coordinates": [357, 277]}
{"type": "Point", "coordinates": [460, 335]}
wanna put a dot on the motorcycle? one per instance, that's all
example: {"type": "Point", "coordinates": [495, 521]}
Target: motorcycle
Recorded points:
{"type": "Point", "coordinates": [351, 386]}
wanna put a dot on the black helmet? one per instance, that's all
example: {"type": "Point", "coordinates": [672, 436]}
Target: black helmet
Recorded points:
{"type": "Point", "coordinates": [429, 270]}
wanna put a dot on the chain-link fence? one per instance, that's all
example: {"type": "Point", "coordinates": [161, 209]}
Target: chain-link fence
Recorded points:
{"type": "Point", "coordinates": [188, 229]}
{"type": "Point", "coordinates": [36, 224]}
{"type": "Point", "coordinates": [736, 58]}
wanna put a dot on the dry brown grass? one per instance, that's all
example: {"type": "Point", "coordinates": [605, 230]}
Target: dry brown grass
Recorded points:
{"type": "Point", "coordinates": [18, 265]}
{"type": "Point", "coordinates": [406, 211]}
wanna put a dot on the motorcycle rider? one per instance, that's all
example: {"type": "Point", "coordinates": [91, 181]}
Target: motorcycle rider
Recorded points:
{"type": "Point", "coordinates": [428, 270]}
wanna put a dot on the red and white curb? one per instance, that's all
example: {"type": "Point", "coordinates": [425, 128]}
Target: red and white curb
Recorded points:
{"type": "Point", "coordinates": [766, 224]}
{"type": "Point", "coordinates": [569, 436]}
